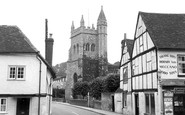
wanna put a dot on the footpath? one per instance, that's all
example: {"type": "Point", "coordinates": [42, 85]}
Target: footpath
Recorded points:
{"type": "Point", "coordinates": [103, 112]}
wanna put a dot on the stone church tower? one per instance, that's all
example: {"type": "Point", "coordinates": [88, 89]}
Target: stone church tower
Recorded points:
{"type": "Point", "coordinates": [88, 53]}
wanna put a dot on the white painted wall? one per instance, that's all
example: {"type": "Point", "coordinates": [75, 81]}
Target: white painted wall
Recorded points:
{"type": "Point", "coordinates": [167, 63]}
{"type": "Point", "coordinates": [118, 102]}
{"type": "Point", "coordinates": [28, 86]}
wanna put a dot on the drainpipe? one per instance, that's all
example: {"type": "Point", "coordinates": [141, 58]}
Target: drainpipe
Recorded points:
{"type": "Point", "coordinates": [39, 85]}
{"type": "Point", "coordinates": [50, 95]}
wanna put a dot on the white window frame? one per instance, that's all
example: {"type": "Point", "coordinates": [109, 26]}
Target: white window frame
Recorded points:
{"type": "Point", "coordinates": [150, 103]}
{"type": "Point", "coordinates": [16, 72]}
{"type": "Point", "coordinates": [1, 105]}
{"type": "Point", "coordinates": [182, 62]}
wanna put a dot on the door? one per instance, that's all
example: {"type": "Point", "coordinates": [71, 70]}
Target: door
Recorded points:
{"type": "Point", "coordinates": [136, 104]}
{"type": "Point", "coordinates": [23, 106]}
{"type": "Point", "coordinates": [113, 107]}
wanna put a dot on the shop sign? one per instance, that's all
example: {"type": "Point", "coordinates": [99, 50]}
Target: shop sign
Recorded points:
{"type": "Point", "coordinates": [168, 103]}
{"type": "Point", "coordinates": [168, 64]}
{"type": "Point", "coordinates": [179, 90]}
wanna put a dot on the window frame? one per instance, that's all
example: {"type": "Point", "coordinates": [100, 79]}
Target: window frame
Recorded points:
{"type": "Point", "coordinates": [17, 67]}
{"type": "Point", "coordinates": [150, 103]}
{"type": "Point", "coordinates": [178, 67]}
{"type": "Point", "coordinates": [5, 105]}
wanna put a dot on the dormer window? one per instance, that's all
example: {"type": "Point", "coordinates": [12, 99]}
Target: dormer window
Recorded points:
{"type": "Point", "coordinates": [16, 73]}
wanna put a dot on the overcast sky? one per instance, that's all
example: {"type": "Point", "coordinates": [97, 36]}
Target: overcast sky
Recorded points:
{"type": "Point", "coordinates": [29, 16]}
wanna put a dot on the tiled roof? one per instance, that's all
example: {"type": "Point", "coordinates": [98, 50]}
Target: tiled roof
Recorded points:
{"type": "Point", "coordinates": [166, 30]}
{"type": "Point", "coordinates": [129, 45]}
{"type": "Point", "coordinates": [12, 40]}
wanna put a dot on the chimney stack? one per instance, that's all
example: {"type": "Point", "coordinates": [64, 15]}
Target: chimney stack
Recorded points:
{"type": "Point", "coordinates": [48, 47]}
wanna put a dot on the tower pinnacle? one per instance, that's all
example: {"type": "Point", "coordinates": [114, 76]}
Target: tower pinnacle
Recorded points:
{"type": "Point", "coordinates": [72, 26]}
{"type": "Point", "coordinates": [102, 15]}
{"type": "Point", "coordinates": [82, 21]}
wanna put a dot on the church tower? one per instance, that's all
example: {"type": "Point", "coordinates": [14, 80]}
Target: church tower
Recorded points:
{"type": "Point", "coordinates": [102, 42]}
{"type": "Point", "coordinates": [87, 54]}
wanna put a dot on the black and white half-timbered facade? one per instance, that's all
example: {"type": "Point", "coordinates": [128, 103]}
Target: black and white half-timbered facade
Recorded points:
{"type": "Point", "coordinates": [125, 74]}
{"type": "Point", "coordinates": [158, 65]}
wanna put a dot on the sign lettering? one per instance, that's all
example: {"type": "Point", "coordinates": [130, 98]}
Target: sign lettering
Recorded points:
{"type": "Point", "coordinates": [168, 64]}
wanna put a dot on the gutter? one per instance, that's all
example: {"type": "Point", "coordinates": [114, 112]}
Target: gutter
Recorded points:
{"type": "Point", "coordinates": [39, 85]}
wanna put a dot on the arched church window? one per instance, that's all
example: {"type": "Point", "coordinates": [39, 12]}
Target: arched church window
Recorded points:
{"type": "Point", "coordinates": [84, 47]}
{"type": "Point", "coordinates": [93, 47]}
{"type": "Point", "coordinates": [87, 47]}
{"type": "Point", "coordinates": [74, 48]}
{"type": "Point", "coordinates": [77, 48]}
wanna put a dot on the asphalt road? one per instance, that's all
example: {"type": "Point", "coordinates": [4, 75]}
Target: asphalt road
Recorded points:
{"type": "Point", "coordinates": [64, 109]}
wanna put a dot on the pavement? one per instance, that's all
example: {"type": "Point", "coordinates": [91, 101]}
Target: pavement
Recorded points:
{"type": "Point", "coordinates": [103, 112]}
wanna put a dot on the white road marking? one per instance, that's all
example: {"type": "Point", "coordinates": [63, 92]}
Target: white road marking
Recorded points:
{"type": "Point", "coordinates": [75, 113]}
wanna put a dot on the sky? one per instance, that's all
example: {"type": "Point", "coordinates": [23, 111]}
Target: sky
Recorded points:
{"type": "Point", "coordinates": [121, 15]}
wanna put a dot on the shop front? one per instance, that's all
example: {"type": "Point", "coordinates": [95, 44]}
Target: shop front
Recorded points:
{"type": "Point", "coordinates": [174, 100]}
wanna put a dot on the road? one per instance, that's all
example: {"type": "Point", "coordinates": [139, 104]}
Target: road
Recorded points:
{"type": "Point", "coordinates": [64, 109]}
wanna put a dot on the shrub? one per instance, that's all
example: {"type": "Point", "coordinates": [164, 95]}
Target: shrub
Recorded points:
{"type": "Point", "coordinates": [80, 88]}
{"type": "Point", "coordinates": [111, 83]}
{"type": "Point", "coordinates": [96, 88]}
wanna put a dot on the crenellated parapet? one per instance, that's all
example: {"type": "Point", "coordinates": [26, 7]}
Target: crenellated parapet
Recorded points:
{"type": "Point", "coordinates": [83, 30]}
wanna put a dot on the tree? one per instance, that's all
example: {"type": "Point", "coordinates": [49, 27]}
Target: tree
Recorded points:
{"type": "Point", "coordinates": [80, 88]}
{"type": "Point", "coordinates": [96, 88]}
{"type": "Point", "coordinates": [111, 83]}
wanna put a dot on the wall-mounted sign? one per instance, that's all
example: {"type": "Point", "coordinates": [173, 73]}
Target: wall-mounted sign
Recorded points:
{"type": "Point", "coordinates": [168, 103]}
{"type": "Point", "coordinates": [168, 64]}
{"type": "Point", "coordinates": [179, 90]}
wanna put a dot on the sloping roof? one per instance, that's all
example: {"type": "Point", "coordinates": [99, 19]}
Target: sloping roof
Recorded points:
{"type": "Point", "coordinates": [12, 40]}
{"type": "Point", "coordinates": [129, 45]}
{"type": "Point", "coordinates": [119, 90]}
{"type": "Point", "coordinates": [101, 15]}
{"type": "Point", "coordinates": [166, 30]}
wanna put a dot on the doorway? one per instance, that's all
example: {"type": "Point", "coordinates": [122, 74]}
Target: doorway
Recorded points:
{"type": "Point", "coordinates": [23, 105]}
{"type": "Point", "coordinates": [136, 104]}
{"type": "Point", "coordinates": [113, 107]}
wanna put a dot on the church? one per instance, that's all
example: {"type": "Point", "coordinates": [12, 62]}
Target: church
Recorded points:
{"type": "Point", "coordinates": [87, 54]}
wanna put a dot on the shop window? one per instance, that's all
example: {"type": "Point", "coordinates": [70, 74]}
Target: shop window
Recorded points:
{"type": "Point", "coordinates": [150, 104]}
{"type": "Point", "coordinates": [179, 104]}
{"type": "Point", "coordinates": [181, 64]}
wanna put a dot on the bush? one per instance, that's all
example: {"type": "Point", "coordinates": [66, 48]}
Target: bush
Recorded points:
{"type": "Point", "coordinates": [80, 88]}
{"type": "Point", "coordinates": [111, 83]}
{"type": "Point", "coordinates": [96, 88]}
{"type": "Point", "coordinates": [58, 93]}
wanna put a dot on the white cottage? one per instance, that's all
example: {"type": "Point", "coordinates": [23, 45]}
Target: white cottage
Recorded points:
{"type": "Point", "coordinates": [25, 85]}
{"type": "Point", "coordinates": [158, 65]}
